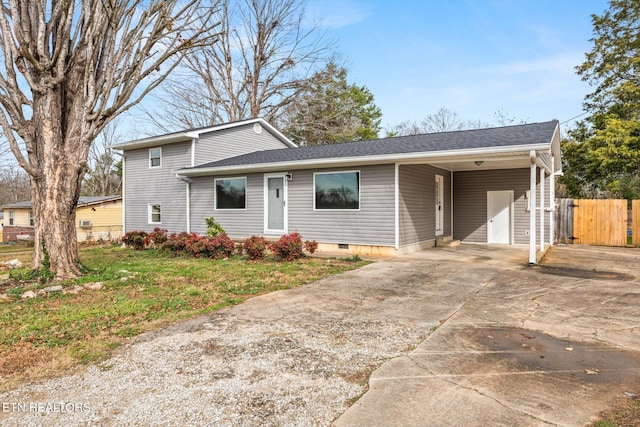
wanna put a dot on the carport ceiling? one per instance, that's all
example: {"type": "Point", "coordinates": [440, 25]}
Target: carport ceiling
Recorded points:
{"type": "Point", "coordinates": [486, 162]}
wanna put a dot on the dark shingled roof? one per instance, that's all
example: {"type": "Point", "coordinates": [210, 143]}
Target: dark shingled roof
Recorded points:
{"type": "Point", "coordinates": [527, 134]}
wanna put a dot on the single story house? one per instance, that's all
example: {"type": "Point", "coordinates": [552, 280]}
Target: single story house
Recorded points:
{"type": "Point", "coordinates": [385, 196]}
{"type": "Point", "coordinates": [98, 218]}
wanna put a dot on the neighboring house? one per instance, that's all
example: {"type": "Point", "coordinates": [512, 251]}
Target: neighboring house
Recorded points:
{"type": "Point", "coordinates": [98, 218]}
{"type": "Point", "coordinates": [385, 196]}
{"type": "Point", "coordinates": [17, 222]}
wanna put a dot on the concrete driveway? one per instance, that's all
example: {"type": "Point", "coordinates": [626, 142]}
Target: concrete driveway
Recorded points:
{"type": "Point", "coordinates": [459, 336]}
{"type": "Point", "coordinates": [548, 345]}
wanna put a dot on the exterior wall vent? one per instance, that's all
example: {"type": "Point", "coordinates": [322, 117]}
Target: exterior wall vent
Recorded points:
{"type": "Point", "coordinates": [85, 223]}
{"type": "Point", "coordinates": [343, 246]}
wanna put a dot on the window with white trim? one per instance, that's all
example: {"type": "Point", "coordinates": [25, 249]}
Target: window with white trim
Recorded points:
{"type": "Point", "coordinates": [337, 190]}
{"type": "Point", "coordinates": [32, 222]}
{"type": "Point", "coordinates": [11, 218]}
{"type": "Point", "coordinates": [155, 157]}
{"type": "Point", "coordinates": [230, 193]}
{"type": "Point", "coordinates": [155, 214]}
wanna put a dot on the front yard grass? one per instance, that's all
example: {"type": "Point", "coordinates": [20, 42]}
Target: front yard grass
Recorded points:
{"type": "Point", "coordinates": [141, 291]}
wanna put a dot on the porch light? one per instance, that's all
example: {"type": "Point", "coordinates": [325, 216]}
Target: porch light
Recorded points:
{"type": "Point", "coordinates": [478, 162]}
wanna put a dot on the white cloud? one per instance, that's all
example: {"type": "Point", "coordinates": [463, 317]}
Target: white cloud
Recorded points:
{"type": "Point", "coordinates": [337, 13]}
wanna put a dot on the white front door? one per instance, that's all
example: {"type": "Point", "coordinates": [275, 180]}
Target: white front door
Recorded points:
{"type": "Point", "coordinates": [275, 201]}
{"type": "Point", "coordinates": [439, 206]}
{"type": "Point", "coordinates": [500, 217]}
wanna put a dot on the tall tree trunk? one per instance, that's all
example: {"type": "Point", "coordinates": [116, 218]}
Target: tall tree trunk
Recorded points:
{"type": "Point", "coordinates": [54, 194]}
{"type": "Point", "coordinates": [55, 229]}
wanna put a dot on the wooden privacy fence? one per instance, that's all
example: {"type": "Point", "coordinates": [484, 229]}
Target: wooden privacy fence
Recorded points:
{"type": "Point", "coordinates": [595, 221]}
{"type": "Point", "coordinates": [635, 222]}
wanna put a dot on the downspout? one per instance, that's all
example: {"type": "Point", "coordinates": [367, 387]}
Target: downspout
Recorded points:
{"type": "Point", "coordinates": [532, 210]}
{"type": "Point", "coordinates": [193, 152]}
{"type": "Point", "coordinates": [187, 182]}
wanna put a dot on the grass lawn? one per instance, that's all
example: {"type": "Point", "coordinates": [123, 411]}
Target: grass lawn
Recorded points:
{"type": "Point", "coordinates": [141, 291]}
{"type": "Point", "coordinates": [624, 413]}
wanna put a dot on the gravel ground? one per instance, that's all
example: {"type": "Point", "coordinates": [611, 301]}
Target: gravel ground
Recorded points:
{"type": "Point", "coordinates": [294, 357]}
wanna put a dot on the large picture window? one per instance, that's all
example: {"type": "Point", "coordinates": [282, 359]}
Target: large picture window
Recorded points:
{"type": "Point", "coordinates": [337, 190]}
{"type": "Point", "coordinates": [231, 193]}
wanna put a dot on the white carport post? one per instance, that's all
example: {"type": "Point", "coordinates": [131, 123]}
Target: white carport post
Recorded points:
{"type": "Point", "coordinates": [542, 209]}
{"type": "Point", "coordinates": [532, 210]}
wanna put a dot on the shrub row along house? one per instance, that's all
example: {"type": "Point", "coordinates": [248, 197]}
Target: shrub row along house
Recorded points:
{"type": "Point", "coordinates": [386, 196]}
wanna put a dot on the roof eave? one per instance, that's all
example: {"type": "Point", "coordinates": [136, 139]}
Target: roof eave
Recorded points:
{"type": "Point", "coordinates": [152, 141]}
{"type": "Point", "coordinates": [348, 161]}
{"type": "Point", "coordinates": [97, 202]}
{"type": "Point", "coordinates": [190, 135]}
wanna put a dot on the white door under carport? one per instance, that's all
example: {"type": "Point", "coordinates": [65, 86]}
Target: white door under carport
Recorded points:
{"type": "Point", "coordinates": [500, 217]}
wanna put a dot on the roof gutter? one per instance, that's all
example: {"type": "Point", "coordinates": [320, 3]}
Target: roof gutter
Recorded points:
{"type": "Point", "coordinates": [151, 142]}
{"type": "Point", "coordinates": [347, 161]}
{"type": "Point", "coordinates": [190, 135]}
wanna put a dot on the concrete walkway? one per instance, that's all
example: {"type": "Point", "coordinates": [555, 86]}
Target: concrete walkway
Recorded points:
{"type": "Point", "coordinates": [548, 345]}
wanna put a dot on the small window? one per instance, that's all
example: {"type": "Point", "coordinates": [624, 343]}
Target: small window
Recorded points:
{"type": "Point", "coordinates": [231, 193]}
{"type": "Point", "coordinates": [337, 190]}
{"type": "Point", "coordinates": [31, 220]}
{"type": "Point", "coordinates": [155, 214]}
{"type": "Point", "coordinates": [155, 157]}
{"type": "Point", "coordinates": [10, 217]}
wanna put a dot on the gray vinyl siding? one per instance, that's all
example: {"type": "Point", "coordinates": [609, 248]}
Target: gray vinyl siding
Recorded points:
{"type": "Point", "coordinates": [146, 186]}
{"type": "Point", "coordinates": [417, 215]}
{"type": "Point", "coordinates": [238, 223]}
{"type": "Point", "coordinates": [470, 203]}
{"type": "Point", "coordinates": [222, 144]}
{"type": "Point", "coordinates": [373, 224]}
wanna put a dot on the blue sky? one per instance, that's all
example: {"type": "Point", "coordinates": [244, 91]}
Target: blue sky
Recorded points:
{"type": "Point", "coordinates": [473, 57]}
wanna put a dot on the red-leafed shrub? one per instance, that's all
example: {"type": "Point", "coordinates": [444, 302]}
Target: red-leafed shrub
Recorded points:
{"type": "Point", "coordinates": [156, 238]}
{"type": "Point", "coordinates": [135, 239]}
{"type": "Point", "coordinates": [310, 246]}
{"type": "Point", "coordinates": [222, 246]}
{"type": "Point", "coordinates": [176, 244]}
{"type": "Point", "coordinates": [255, 247]}
{"type": "Point", "coordinates": [199, 246]}
{"type": "Point", "coordinates": [288, 247]}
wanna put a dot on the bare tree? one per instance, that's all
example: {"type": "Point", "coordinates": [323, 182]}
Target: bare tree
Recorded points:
{"type": "Point", "coordinates": [104, 177]}
{"type": "Point", "coordinates": [266, 54]}
{"type": "Point", "coordinates": [14, 184]}
{"type": "Point", "coordinates": [70, 67]}
{"type": "Point", "coordinates": [443, 120]}
{"type": "Point", "coordinates": [505, 119]}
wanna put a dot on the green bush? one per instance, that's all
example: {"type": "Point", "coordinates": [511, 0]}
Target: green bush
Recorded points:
{"type": "Point", "coordinates": [213, 228]}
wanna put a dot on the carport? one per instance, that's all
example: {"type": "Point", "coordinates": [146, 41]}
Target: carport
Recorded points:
{"type": "Point", "coordinates": [503, 195]}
